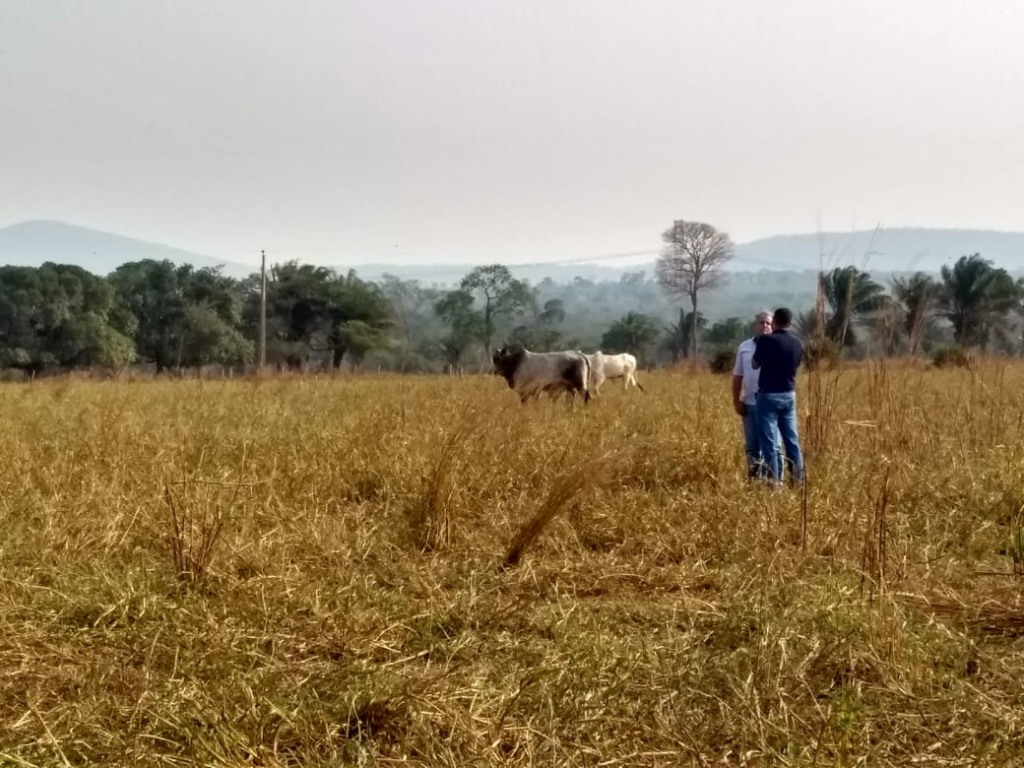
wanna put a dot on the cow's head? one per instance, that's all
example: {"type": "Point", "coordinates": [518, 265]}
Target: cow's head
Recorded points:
{"type": "Point", "coordinates": [506, 360]}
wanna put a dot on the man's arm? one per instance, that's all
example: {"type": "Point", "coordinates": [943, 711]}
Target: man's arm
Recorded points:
{"type": "Point", "coordinates": [737, 403]}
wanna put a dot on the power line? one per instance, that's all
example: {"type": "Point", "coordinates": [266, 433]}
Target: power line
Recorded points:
{"type": "Point", "coordinates": [586, 259]}
{"type": "Point", "coordinates": [445, 270]}
{"type": "Point", "coordinates": [383, 260]}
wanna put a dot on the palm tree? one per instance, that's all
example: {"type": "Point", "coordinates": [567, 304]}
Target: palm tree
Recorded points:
{"type": "Point", "coordinates": [808, 323]}
{"type": "Point", "coordinates": [851, 294]}
{"type": "Point", "coordinates": [977, 297]}
{"type": "Point", "coordinates": [679, 335]}
{"type": "Point", "coordinates": [917, 298]}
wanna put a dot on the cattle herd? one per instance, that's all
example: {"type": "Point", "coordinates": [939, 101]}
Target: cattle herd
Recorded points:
{"type": "Point", "coordinates": [531, 374]}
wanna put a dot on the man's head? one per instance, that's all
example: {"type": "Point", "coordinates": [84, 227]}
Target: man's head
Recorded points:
{"type": "Point", "coordinates": [762, 323]}
{"type": "Point", "coordinates": [782, 318]}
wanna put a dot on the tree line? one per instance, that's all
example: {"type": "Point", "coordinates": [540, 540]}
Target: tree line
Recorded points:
{"type": "Point", "coordinates": [172, 317]}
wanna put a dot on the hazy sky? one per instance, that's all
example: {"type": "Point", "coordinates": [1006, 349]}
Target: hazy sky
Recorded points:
{"type": "Point", "coordinates": [337, 131]}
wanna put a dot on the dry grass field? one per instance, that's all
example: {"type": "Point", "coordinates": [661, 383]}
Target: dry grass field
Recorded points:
{"type": "Point", "coordinates": [315, 572]}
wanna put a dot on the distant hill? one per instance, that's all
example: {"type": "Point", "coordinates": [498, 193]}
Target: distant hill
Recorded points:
{"type": "Point", "coordinates": [31, 243]}
{"type": "Point", "coordinates": [903, 249]}
{"type": "Point", "coordinates": [887, 250]}
{"type": "Point", "coordinates": [899, 249]}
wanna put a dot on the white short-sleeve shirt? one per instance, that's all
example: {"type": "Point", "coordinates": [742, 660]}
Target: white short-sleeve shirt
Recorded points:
{"type": "Point", "coordinates": [744, 359]}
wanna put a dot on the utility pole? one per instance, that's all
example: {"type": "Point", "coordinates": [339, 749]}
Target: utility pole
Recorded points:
{"type": "Point", "coordinates": [263, 310]}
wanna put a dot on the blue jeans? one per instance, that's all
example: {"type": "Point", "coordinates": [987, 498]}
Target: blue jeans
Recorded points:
{"type": "Point", "coordinates": [776, 417]}
{"type": "Point", "coordinates": [756, 466]}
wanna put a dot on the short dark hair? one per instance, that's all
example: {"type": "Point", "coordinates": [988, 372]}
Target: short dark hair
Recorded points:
{"type": "Point", "coordinates": [782, 317]}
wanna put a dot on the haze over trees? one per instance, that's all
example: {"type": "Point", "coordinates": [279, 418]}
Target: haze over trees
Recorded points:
{"type": "Point", "coordinates": [893, 250]}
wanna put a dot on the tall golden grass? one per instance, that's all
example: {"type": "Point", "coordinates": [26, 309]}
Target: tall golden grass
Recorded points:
{"type": "Point", "coordinates": [420, 571]}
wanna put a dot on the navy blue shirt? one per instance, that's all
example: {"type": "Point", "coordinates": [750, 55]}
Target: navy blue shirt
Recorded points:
{"type": "Point", "coordinates": [778, 355]}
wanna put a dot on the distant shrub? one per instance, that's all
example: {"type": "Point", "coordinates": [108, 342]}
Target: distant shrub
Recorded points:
{"type": "Point", "coordinates": [13, 374]}
{"type": "Point", "coordinates": [822, 352]}
{"type": "Point", "coordinates": [722, 361]}
{"type": "Point", "coordinates": [953, 357]}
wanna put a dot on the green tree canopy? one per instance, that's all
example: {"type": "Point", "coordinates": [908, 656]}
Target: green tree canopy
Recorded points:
{"type": "Point", "coordinates": [61, 315]}
{"type": "Point", "coordinates": [358, 315]}
{"type": "Point", "coordinates": [207, 338]}
{"type": "Point", "coordinates": [465, 324]}
{"type": "Point", "coordinates": [635, 332]}
{"type": "Point", "coordinates": [500, 295]}
{"type": "Point", "coordinates": [310, 311]}
{"type": "Point", "coordinates": [178, 310]}
{"type": "Point", "coordinates": [728, 333]}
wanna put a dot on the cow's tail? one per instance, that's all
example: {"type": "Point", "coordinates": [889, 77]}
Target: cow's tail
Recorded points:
{"type": "Point", "coordinates": [584, 383]}
{"type": "Point", "coordinates": [637, 382]}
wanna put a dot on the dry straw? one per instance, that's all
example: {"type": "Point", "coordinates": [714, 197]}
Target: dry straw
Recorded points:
{"type": "Point", "coordinates": [567, 488]}
{"type": "Point", "coordinates": [686, 618]}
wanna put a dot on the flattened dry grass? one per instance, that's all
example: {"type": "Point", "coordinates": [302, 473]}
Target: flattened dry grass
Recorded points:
{"type": "Point", "coordinates": [385, 570]}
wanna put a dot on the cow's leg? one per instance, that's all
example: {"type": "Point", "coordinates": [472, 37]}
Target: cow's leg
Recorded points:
{"type": "Point", "coordinates": [575, 380]}
{"type": "Point", "coordinates": [526, 392]}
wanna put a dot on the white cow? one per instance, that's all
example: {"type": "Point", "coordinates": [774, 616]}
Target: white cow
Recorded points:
{"type": "Point", "coordinates": [604, 367]}
{"type": "Point", "coordinates": [531, 373]}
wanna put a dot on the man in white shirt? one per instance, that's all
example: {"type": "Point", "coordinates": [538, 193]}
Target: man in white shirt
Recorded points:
{"type": "Point", "coordinates": [744, 396]}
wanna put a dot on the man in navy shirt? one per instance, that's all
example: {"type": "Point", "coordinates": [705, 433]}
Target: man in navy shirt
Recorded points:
{"type": "Point", "coordinates": [744, 396]}
{"type": "Point", "coordinates": [777, 355]}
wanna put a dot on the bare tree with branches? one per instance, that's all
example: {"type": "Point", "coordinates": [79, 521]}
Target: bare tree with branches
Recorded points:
{"type": "Point", "coordinates": [692, 260]}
